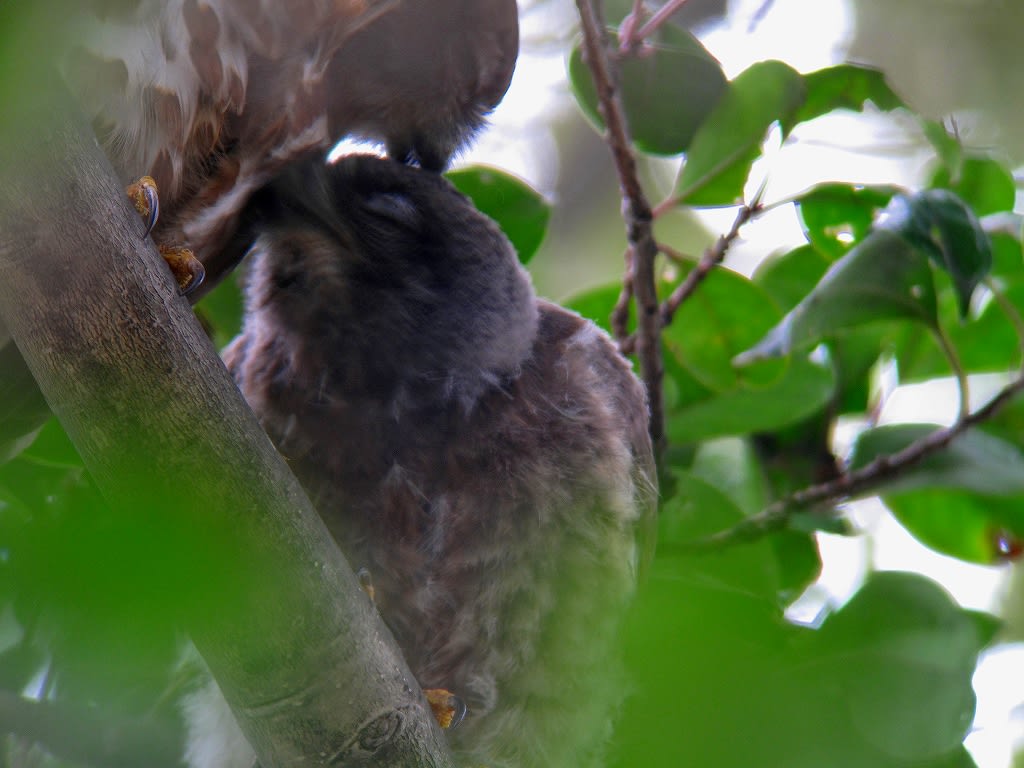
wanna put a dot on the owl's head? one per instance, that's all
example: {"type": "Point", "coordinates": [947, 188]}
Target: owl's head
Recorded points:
{"type": "Point", "coordinates": [389, 280]}
{"type": "Point", "coordinates": [423, 78]}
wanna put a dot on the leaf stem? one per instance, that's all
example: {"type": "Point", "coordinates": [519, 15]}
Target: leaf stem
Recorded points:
{"type": "Point", "coordinates": [962, 385]}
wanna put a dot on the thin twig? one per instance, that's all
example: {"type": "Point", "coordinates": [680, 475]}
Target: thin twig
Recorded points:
{"type": "Point", "coordinates": [636, 213]}
{"type": "Point", "coordinates": [853, 483]}
{"type": "Point", "coordinates": [712, 257]}
{"type": "Point", "coordinates": [620, 313]}
{"type": "Point", "coordinates": [659, 17]}
{"type": "Point", "coordinates": [627, 30]}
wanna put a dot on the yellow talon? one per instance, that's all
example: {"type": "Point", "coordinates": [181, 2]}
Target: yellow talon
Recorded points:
{"type": "Point", "coordinates": [448, 708]}
{"type": "Point", "coordinates": [187, 269]}
{"type": "Point", "coordinates": [146, 201]}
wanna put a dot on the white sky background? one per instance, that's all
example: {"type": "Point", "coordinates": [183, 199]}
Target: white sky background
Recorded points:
{"type": "Point", "coordinates": [809, 35]}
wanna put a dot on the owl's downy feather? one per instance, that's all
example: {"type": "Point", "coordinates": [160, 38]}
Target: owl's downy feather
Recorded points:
{"type": "Point", "coordinates": [213, 97]}
{"type": "Point", "coordinates": [484, 454]}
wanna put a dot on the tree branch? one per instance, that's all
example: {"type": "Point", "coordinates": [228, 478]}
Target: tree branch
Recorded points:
{"type": "Point", "coordinates": [301, 655]}
{"type": "Point", "coordinates": [636, 212]}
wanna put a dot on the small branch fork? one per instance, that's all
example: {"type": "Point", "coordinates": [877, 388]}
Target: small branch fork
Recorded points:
{"type": "Point", "coordinates": [712, 257]}
{"type": "Point", "coordinates": [636, 211]}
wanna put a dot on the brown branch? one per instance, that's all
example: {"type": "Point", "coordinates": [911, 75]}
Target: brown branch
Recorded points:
{"type": "Point", "coordinates": [632, 34]}
{"type": "Point", "coordinates": [712, 257]}
{"type": "Point", "coordinates": [849, 484]}
{"type": "Point", "coordinates": [299, 652]}
{"type": "Point", "coordinates": [636, 213]}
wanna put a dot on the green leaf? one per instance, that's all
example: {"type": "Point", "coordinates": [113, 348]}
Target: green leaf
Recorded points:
{"type": "Point", "coordinates": [837, 215]}
{"type": "Point", "coordinates": [986, 185]}
{"type": "Point", "coordinates": [805, 388]}
{"type": "Point", "coordinates": [846, 86]}
{"type": "Point", "coordinates": [520, 211]}
{"type": "Point", "coordinates": [222, 310]}
{"type": "Point", "coordinates": [961, 524]}
{"type": "Point", "coordinates": [883, 277]}
{"type": "Point", "coordinates": [986, 343]}
{"type": "Point", "coordinates": [722, 318]}
{"type": "Point", "coordinates": [948, 148]}
{"type": "Point", "coordinates": [939, 224]}
{"type": "Point", "coordinates": [729, 141]}
{"type": "Point", "coordinates": [667, 90]}
{"type": "Point", "coordinates": [974, 461]}
{"type": "Point", "coordinates": [903, 654]}
{"type": "Point", "coordinates": [788, 277]}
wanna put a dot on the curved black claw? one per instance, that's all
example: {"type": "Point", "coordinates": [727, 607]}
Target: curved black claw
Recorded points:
{"type": "Point", "coordinates": [188, 271]}
{"type": "Point", "coordinates": [153, 206]}
{"type": "Point", "coordinates": [144, 197]}
{"type": "Point", "coordinates": [448, 709]}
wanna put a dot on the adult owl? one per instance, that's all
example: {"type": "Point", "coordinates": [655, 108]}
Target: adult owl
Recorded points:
{"type": "Point", "coordinates": [211, 98]}
{"type": "Point", "coordinates": [483, 454]}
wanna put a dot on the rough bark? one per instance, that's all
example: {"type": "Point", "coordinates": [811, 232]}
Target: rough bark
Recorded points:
{"type": "Point", "coordinates": [299, 651]}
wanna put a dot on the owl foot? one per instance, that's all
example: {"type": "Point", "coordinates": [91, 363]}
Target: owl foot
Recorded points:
{"type": "Point", "coordinates": [143, 195]}
{"type": "Point", "coordinates": [366, 584]}
{"type": "Point", "coordinates": [187, 269]}
{"type": "Point", "coordinates": [448, 708]}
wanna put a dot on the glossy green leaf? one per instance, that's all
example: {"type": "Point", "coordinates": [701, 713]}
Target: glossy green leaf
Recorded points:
{"type": "Point", "coordinates": [221, 311]}
{"type": "Point", "coordinates": [883, 277]}
{"type": "Point", "coordinates": [723, 317]}
{"type": "Point", "coordinates": [729, 141]}
{"type": "Point", "coordinates": [941, 226]}
{"type": "Point", "coordinates": [845, 86]}
{"type": "Point", "coordinates": [904, 654]}
{"type": "Point", "coordinates": [804, 389]}
{"type": "Point", "coordinates": [521, 211]}
{"type": "Point", "coordinates": [667, 90]}
{"type": "Point", "coordinates": [987, 343]}
{"type": "Point", "coordinates": [974, 461]}
{"type": "Point", "coordinates": [835, 216]}
{"type": "Point", "coordinates": [961, 524]}
{"type": "Point", "coordinates": [985, 184]}
{"type": "Point", "coordinates": [788, 277]}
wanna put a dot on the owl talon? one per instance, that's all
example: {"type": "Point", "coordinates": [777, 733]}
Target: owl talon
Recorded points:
{"type": "Point", "coordinates": [187, 269]}
{"type": "Point", "coordinates": [448, 709]}
{"type": "Point", "coordinates": [366, 584]}
{"type": "Point", "coordinates": [144, 197]}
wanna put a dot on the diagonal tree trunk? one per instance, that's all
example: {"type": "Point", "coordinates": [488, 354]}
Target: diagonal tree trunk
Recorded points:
{"type": "Point", "coordinates": [300, 653]}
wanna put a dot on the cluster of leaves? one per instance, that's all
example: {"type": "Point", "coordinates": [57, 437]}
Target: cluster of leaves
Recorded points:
{"type": "Point", "coordinates": [757, 372]}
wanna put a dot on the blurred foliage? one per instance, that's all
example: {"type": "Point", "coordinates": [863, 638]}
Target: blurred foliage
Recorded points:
{"type": "Point", "coordinates": [757, 372]}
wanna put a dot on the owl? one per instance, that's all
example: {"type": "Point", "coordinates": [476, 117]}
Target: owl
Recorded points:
{"type": "Point", "coordinates": [211, 98]}
{"type": "Point", "coordinates": [482, 453]}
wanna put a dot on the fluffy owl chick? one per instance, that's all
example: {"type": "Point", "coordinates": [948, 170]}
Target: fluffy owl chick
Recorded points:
{"type": "Point", "coordinates": [484, 454]}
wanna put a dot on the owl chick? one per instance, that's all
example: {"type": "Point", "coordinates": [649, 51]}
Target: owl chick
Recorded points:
{"type": "Point", "coordinates": [483, 453]}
